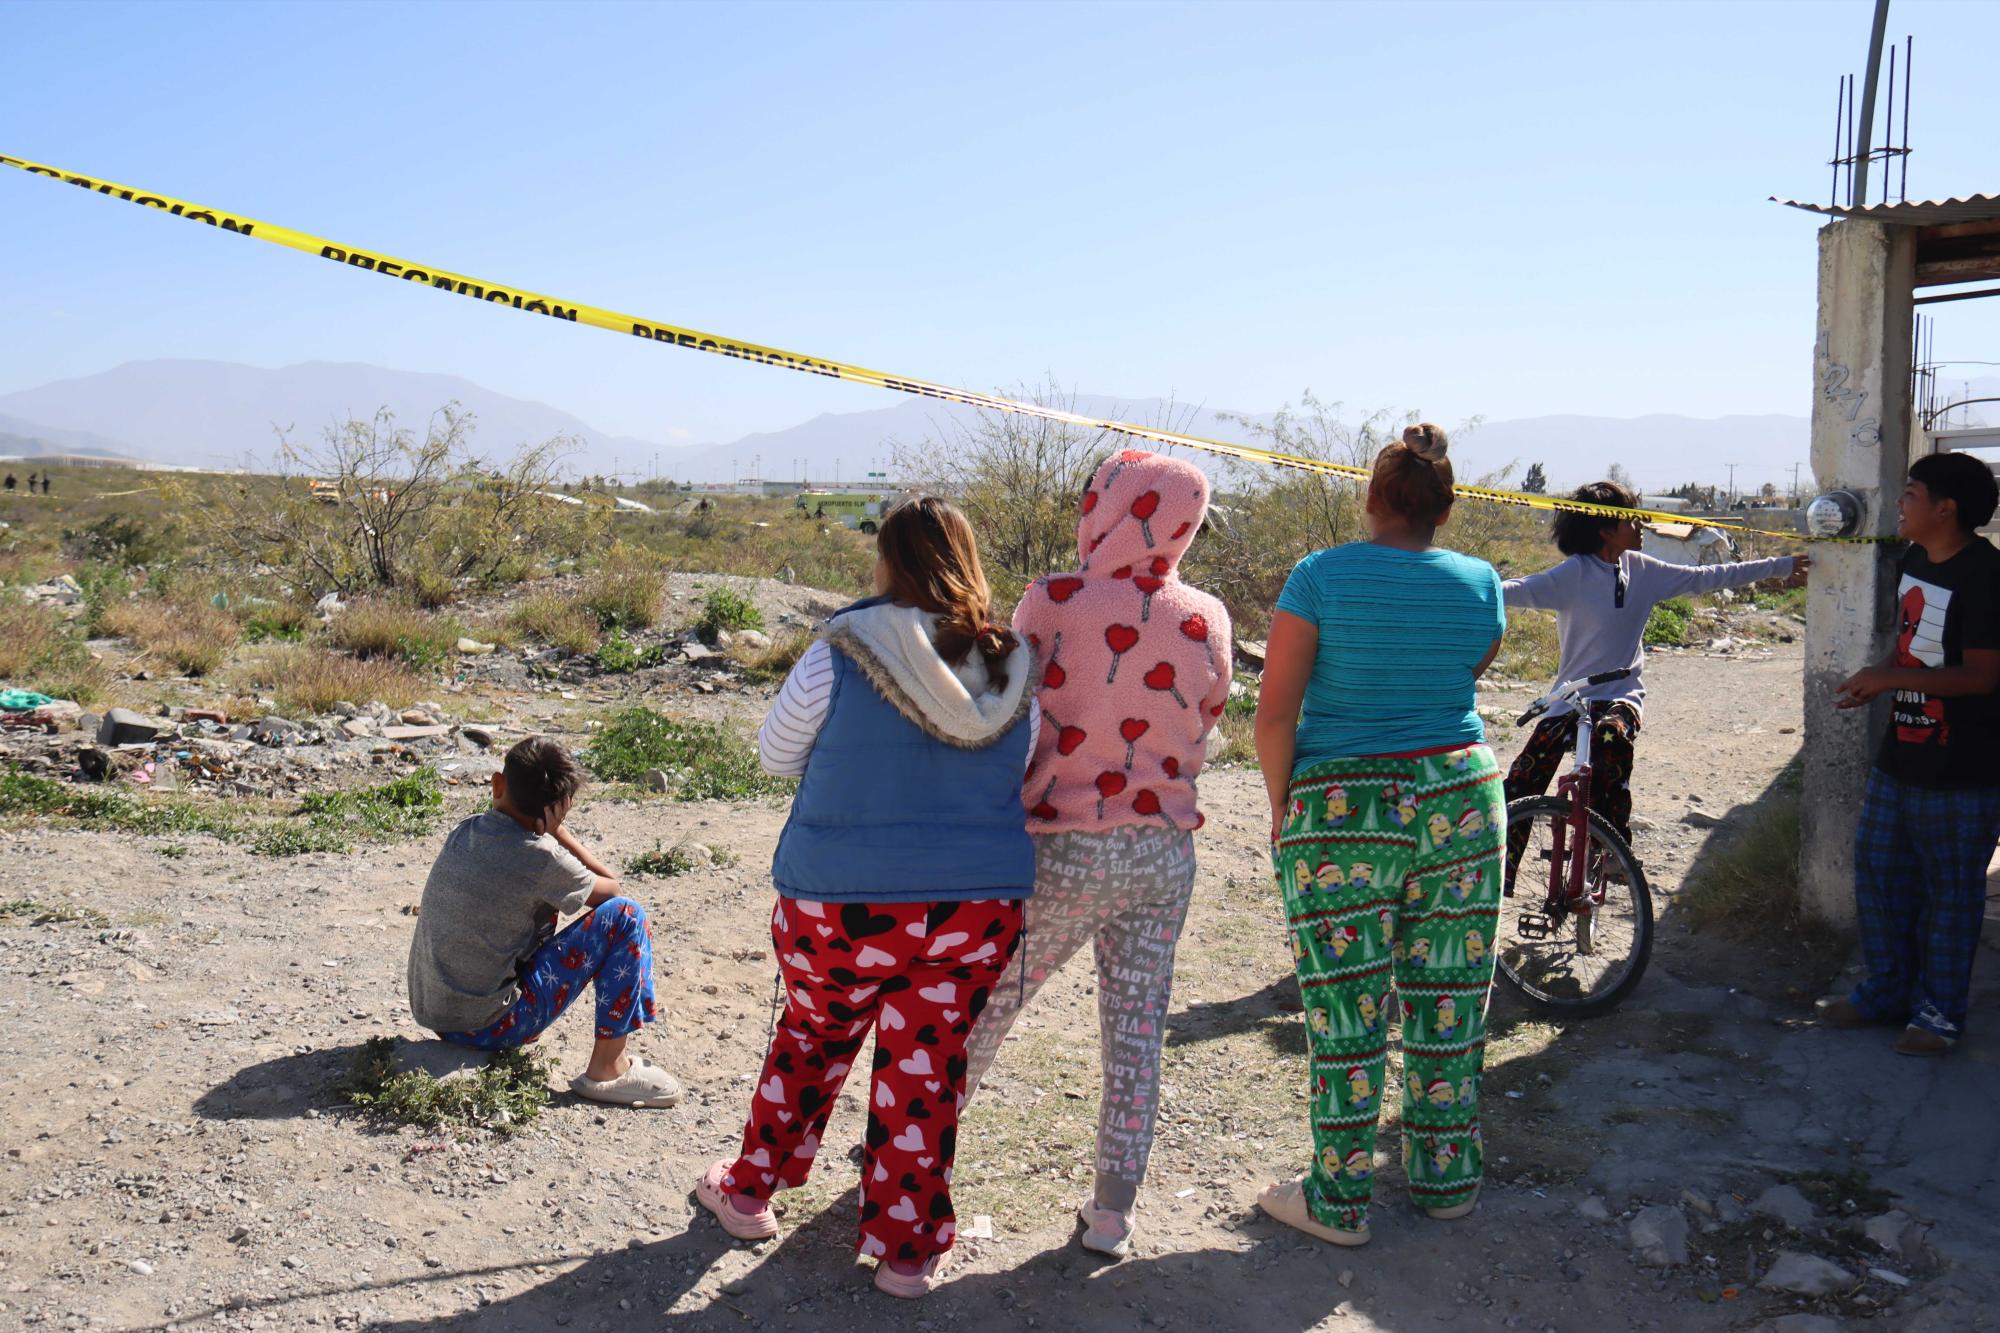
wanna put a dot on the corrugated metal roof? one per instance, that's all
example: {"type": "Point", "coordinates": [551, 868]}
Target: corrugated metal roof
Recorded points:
{"type": "Point", "coordinates": [1921, 213]}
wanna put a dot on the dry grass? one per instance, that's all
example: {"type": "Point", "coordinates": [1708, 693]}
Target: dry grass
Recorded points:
{"type": "Point", "coordinates": [776, 662]}
{"type": "Point", "coordinates": [29, 632]}
{"type": "Point", "coordinates": [623, 595]}
{"type": "Point", "coordinates": [309, 680]}
{"type": "Point", "coordinates": [384, 627]}
{"type": "Point", "coordinates": [37, 652]}
{"type": "Point", "coordinates": [192, 636]}
{"type": "Point", "coordinates": [557, 621]}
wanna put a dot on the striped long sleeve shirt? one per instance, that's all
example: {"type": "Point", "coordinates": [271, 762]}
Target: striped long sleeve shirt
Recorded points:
{"type": "Point", "coordinates": [785, 741]}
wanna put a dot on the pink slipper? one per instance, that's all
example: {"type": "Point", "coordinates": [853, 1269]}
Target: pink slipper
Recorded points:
{"type": "Point", "coordinates": [909, 1286]}
{"type": "Point", "coordinates": [742, 1225]}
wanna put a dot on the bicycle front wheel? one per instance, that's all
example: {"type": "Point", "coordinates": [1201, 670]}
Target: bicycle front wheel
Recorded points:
{"type": "Point", "coordinates": [1563, 961]}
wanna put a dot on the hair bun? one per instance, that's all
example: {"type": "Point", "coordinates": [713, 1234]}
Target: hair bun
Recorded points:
{"type": "Point", "coordinates": [1427, 441]}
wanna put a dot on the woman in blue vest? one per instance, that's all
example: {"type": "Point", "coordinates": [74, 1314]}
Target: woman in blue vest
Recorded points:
{"type": "Point", "coordinates": [901, 879]}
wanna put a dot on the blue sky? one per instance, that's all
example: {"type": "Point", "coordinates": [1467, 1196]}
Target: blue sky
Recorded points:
{"type": "Point", "coordinates": [1493, 209]}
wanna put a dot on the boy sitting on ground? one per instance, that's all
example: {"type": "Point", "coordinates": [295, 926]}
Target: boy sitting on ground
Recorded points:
{"type": "Point", "coordinates": [1932, 811]}
{"type": "Point", "coordinates": [488, 968]}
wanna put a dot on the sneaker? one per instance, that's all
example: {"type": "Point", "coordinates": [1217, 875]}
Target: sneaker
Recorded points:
{"type": "Point", "coordinates": [1285, 1202]}
{"type": "Point", "coordinates": [1105, 1230]}
{"type": "Point", "coordinates": [1922, 1041]}
{"type": "Point", "coordinates": [910, 1286]}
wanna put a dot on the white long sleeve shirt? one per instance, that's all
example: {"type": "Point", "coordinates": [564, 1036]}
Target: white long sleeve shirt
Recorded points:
{"type": "Point", "coordinates": [1601, 610]}
{"type": "Point", "coordinates": [785, 741]}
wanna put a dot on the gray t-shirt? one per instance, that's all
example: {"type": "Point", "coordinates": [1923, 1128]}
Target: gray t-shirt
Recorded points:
{"type": "Point", "coordinates": [493, 896]}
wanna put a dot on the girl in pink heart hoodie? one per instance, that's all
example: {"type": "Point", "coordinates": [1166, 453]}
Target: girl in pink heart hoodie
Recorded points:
{"type": "Point", "coordinates": [1135, 674]}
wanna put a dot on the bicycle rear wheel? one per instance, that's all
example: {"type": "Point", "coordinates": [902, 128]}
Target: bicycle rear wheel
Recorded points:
{"type": "Point", "coordinates": [1563, 963]}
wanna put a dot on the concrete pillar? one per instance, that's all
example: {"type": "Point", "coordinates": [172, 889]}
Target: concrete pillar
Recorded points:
{"type": "Point", "coordinates": [1860, 443]}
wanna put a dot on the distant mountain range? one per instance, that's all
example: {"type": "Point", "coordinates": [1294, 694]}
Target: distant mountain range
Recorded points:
{"type": "Point", "coordinates": [218, 414]}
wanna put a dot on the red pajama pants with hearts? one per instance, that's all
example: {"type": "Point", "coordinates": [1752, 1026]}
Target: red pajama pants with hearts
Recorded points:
{"type": "Point", "coordinates": [916, 973]}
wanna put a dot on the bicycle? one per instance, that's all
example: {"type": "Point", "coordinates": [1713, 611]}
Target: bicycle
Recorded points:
{"type": "Point", "coordinates": [1582, 931]}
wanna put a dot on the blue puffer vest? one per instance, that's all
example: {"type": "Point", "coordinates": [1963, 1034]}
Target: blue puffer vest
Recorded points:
{"type": "Point", "coordinates": [889, 813]}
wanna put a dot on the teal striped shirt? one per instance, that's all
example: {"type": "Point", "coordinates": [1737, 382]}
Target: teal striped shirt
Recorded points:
{"type": "Point", "coordinates": [1400, 633]}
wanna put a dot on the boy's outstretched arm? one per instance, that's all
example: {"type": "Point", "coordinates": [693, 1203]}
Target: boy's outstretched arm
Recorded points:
{"type": "Point", "coordinates": [1546, 591]}
{"type": "Point", "coordinates": [606, 887]}
{"type": "Point", "coordinates": [1671, 580]}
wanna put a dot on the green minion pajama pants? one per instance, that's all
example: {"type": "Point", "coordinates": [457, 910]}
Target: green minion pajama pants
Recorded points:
{"type": "Point", "coordinates": [1391, 870]}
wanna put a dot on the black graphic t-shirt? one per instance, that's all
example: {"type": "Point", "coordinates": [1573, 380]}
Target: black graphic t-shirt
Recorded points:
{"type": "Point", "coordinates": [1943, 611]}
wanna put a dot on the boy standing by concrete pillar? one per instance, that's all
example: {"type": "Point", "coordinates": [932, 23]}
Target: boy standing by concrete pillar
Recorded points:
{"type": "Point", "coordinates": [1931, 815]}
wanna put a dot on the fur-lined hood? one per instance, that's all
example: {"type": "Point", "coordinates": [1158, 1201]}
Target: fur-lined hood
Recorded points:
{"type": "Point", "coordinates": [896, 648]}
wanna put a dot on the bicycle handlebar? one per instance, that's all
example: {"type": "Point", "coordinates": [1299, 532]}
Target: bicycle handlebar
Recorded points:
{"type": "Point", "coordinates": [1568, 691]}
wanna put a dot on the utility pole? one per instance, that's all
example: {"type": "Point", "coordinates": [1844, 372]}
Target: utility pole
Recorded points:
{"type": "Point", "coordinates": [1862, 148]}
{"type": "Point", "coordinates": [1732, 483]}
{"type": "Point", "coordinates": [1795, 484]}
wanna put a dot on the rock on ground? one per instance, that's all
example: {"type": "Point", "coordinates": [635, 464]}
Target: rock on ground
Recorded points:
{"type": "Point", "coordinates": [1785, 1203]}
{"type": "Point", "coordinates": [1659, 1234]}
{"type": "Point", "coordinates": [1806, 1275]}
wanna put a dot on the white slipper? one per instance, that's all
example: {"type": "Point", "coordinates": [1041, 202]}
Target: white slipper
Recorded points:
{"type": "Point", "coordinates": [641, 1085]}
{"type": "Point", "coordinates": [1285, 1201]}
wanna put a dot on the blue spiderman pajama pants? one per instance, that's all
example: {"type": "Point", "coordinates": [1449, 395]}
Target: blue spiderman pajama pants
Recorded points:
{"type": "Point", "coordinates": [609, 948]}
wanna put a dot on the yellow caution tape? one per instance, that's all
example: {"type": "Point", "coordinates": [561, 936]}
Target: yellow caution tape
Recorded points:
{"type": "Point", "coordinates": [674, 335]}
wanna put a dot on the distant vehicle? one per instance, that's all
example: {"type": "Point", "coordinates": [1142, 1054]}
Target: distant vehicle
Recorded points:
{"type": "Point", "coordinates": [858, 509]}
{"type": "Point", "coordinates": [326, 492]}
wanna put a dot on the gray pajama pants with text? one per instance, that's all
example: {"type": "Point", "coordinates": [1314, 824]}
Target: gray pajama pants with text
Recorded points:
{"type": "Point", "coordinates": [1128, 889]}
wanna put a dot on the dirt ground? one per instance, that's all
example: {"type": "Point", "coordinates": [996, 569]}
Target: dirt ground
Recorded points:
{"type": "Point", "coordinates": [178, 1154]}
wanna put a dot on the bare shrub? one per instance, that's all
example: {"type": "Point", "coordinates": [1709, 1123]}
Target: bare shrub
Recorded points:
{"type": "Point", "coordinates": [395, 510]}
{"type": "Point", "coordinates": [1018, 478]}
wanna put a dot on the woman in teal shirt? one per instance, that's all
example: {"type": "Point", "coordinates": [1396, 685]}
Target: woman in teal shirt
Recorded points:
{"type": "Point", "coordinates": [1386, 825]}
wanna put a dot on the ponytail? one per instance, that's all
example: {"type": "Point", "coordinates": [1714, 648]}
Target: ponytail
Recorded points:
{"type": "Point", "coordinates": [932, 559]}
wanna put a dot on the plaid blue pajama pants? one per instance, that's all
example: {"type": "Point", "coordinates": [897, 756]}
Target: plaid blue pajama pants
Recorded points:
{"type": "Point", "coordinates": [1920, 858]}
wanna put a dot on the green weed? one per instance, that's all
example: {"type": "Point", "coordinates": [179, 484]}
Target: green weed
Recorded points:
{"type": "Point", "coordinates": [724, 609]}
{"type": "Point", "coordinates": [663, 862]}
{"type": "Point", "coordinates": [623, 597]}
{"type": "Point", "coordinates": [502, 1098]}
{"type": "Point", "coordinates": [44, 914]}
{"type": "Point", "coordinates": [1668, 626]}
{"type": "Point", "coordinates": [704, 761]}
{"type": "Point", "coordinates": [679, 859]}
{"type": "Point", "coordinates": [107, 809]}
{"type": "Point", "coordinates": [620, 654]}
{"type": "Point", "coordinates": [400, 808]}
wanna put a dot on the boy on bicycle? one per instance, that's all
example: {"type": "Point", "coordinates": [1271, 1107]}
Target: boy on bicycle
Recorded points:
{"type": "Point", "coordinates": [1602, 596]}
{"type": "Point", "coordinates": [1932, 812]}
